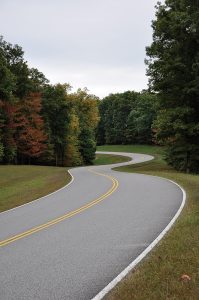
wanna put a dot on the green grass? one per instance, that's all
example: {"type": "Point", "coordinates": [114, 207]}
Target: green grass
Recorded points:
{"type": "Point", "coordinates": [22, 184]}
{"type": "Point", "coordinates": [159, 275]}
{"type": "Point", "coordinates": [107, 159]}
{"type": "Point", "coordinates": [145, 149]}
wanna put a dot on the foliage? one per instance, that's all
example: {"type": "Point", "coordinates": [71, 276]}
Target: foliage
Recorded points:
{"type": "Point", "coordinates": [126, 118]}
{"type": "Point", "coordinates": [87, 112]}
{"type": "Point", "coordinates": [141, 118]}
{"type": "Point", "coordinates": [55, 111]}
{"type": "Point", "coordinates": [30, 136]}
{"type": "Point", "coordinates": [42, 123]}
{"type": "Point", "coordinates": [1, 151]}
{"type": "Point", "coordinates": [12, 56]}
{"type": "Point", "coordinates": [173, 68]}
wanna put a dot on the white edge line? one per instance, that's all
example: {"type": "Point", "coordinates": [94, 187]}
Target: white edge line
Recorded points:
{"type": "Point", "coordinates": [72, 179]}
{"type": "Point", "coordinates": [29, 203]}
{"type": "Point", "coordinates": [132, 265]}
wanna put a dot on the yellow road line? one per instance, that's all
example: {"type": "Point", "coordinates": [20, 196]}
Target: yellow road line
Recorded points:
{"type": "Point", "coordinates": [66, 216]}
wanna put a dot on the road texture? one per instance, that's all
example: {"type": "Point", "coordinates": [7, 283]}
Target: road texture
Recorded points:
{"type": "Point", "coordinates": [71, 244]}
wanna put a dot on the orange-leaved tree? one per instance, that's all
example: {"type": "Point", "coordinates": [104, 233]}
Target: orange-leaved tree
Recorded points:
{"type": "Point", "coordinates": [30, 136]}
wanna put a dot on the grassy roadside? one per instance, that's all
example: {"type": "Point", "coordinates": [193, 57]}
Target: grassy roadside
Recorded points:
{"type": "Point", "coordinates": [145, 149]}
{"type": "Point", "coordinates": [106, 159]}
{"type": "Point", "coordinates": [159, 275]}
{"type": "Point", "coordinates": [22, 184]}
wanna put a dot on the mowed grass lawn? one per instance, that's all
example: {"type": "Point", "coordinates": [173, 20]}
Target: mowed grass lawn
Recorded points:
{"type": "Point", "coordinates": [159, 275]}
{"type": "Point", "coordinates": [106, 159]}
{"type": "Point", "coordinates": [22, 184]}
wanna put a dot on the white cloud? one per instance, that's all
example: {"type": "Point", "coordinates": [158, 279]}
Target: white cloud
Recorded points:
{"type": "Point", "coordinates": [98, 44]}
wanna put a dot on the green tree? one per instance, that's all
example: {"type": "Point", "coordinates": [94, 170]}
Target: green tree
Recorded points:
{"type": "Point", "coordinates": [55, 111]}
{"type": "Point", "coordinates": [59, 130]}
{"type": "Point", "coordinates": [38, 80]}
{"type": "Point", "coordinates": [7, 130]}
{"type": "Point", "coordinates": [72, 154]}
{"type": "Point", "coordinates": [86, 108]}
{"type": "Point", "coordinates": [173, 70]}
{"type": "Point", "coordinates": [101, 130]}
{"type": "Point", "coordinates": [7, 81]}
{"type": "Point", "coordinates": [14, 62]}
{"type": "Point", "coordinates": [114, 113]}
{"type": "Point", "coordinates": [1, 151]}
{"type": "Point", "coordinates": [141, 118]}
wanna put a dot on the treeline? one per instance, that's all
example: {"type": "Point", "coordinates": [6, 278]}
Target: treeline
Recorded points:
{"type": "Point", "coordinates": [42, 123]}
{"type": "Point", "coordinates": [168, 114]}
{"type": "Point", "coordinates": [127, 118]}
{"type": "Point", "coordinates": [173, 70]}
{"type": "Point", "coordinates": [47, 124]}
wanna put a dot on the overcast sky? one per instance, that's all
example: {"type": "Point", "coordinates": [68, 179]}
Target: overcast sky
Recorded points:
{"type": "Point", "coordinates": [98, 44]}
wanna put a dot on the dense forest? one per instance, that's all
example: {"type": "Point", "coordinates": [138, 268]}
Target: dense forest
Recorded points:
{"type": "Point", "coordinates": [127, 118]}
{"type": "Point", "coordinates": [42, 123]}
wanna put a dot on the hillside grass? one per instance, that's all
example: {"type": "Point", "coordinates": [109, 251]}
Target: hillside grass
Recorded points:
{"type": "Point", "coordinates": [145, 149]}
{"type": "Point", "coordinates": [22, 184]}
{"type": "Point", "coordinates": [107, 159]}
{"type": "Point", "coordinates": [159, 275]}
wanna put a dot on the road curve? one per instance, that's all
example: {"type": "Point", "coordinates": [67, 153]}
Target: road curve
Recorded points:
{"type": "Point", "coordinates": [71, 244]}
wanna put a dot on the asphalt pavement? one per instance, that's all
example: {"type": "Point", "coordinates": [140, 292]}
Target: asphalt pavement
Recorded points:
{"type": "Point", "coordinates": [71, 244]}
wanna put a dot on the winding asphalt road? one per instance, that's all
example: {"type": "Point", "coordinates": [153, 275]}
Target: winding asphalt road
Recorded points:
{"type": "Point", "coordinates": [72, 243]}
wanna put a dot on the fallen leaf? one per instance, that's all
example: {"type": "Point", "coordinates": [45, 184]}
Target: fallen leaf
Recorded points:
{"type": "Point", "coordinates": [185, 278]}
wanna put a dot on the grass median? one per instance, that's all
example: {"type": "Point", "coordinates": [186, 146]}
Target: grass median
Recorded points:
{"type": "Point", "coordinates": [160, 275]}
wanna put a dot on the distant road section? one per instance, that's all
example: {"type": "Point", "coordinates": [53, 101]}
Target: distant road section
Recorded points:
{"type": "Point", "coordinates": [72, 243]}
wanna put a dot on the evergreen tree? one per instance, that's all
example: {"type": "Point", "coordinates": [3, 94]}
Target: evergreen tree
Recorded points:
{"type": "Point", "coordinates": [173, 69]}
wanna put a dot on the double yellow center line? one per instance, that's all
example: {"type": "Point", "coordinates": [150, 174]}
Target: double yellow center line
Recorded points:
{"type": "Point", "coordinates": [66, 216]}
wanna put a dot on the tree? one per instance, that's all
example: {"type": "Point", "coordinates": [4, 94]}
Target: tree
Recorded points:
{"type": "Point", "coordinates": [39, 122]}
{"type": "Point", "coordinates": [30, 137]}
{"type": "Point", "coordinates": [140, 119]}
{"type": "Point", "coordinates": [72, 154]}
{"type": "Point", "coordinates": [56, 112]}
{"type": "Point", "coordinates": [86, 109]}
{"type": "Point", "coordinates": [101, 130]}
{"type": "Point", "coordinates": [1, 151]}
{"type": "Point", "coordinates": [173, 70]}
{"type": "Point", "coordinates": [7, 82]}
{"type": "Point", "coordinates": [14, 62]}
{"type": "Point", "coordinates": [7, 130]}
{"type": "Point", "coordinates": [38, 80]}
{"type": "Point", "coordinates": [126, 118]}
